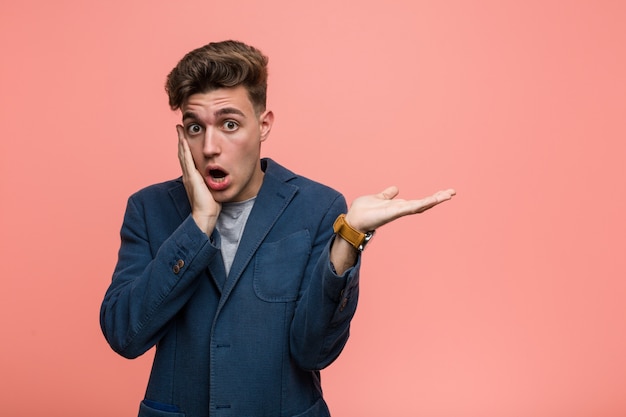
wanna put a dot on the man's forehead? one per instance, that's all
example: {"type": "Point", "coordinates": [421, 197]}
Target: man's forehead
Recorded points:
{"type": "Point", "coordinates": [215, 97]}
{"type": "Point", "coordinates": [214, 100]}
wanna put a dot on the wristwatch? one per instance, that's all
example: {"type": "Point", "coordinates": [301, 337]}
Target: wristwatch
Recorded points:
{"type": "Point", "coordinates": [350, 234]}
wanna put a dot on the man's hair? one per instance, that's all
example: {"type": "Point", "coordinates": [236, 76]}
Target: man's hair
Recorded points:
{"type": "Point", "coordinates": [217, 65]}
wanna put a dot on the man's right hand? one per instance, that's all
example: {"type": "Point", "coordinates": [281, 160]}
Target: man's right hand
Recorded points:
{"type": "Point", "coordinates": [204, 209]}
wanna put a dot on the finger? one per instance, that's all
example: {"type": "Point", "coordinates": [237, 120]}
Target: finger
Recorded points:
{"type": "Point", "coordinates": [427, 203]}
{"type": "Point", "coordinates": [389, 193]}
{"type": "Point", "coordinates": [181, 145]}
{"type": "Point", "coordinates": [184, 152]}
{"type": "Point", "coordinates": [450, 192]}
{"type": "Point", "coordinates": [437, 198]}
{"type": "Point", "coordinates": [442, 196]}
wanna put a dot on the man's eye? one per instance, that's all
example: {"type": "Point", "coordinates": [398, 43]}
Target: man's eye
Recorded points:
{"type": "Point", "coordinates": [230, 125]}
{"type": "Point", "coordinates": [194, 129]}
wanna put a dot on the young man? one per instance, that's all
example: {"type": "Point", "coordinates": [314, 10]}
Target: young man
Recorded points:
{"type": "Point", "coordinates": [243, 274]}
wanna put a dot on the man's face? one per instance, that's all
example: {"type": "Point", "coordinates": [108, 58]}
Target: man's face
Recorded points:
{"type": "Point", "coordinates": [225, 135]}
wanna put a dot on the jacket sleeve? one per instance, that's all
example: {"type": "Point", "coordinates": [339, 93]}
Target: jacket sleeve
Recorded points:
{"type": "Point", "coordinates": [321, 324]}
{"type": "Point", "coordinates": [150, 285]}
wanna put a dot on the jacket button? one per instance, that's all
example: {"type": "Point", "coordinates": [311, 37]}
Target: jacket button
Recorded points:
{"type": "Point", "coordinates": [179, 264]}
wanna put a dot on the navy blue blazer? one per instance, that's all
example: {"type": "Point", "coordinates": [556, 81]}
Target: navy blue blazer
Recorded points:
{"type": "Point", "coordinates": [247, 344]}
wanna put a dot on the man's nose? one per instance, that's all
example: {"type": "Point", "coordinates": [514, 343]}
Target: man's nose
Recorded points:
{"type": "Point", "coordinates": [211, 143]}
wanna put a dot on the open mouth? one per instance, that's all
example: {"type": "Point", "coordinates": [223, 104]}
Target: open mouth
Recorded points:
{"type": "Point", "coordinates": [217, 179]}
{"type": "Point", "coordinates": [217, 174]}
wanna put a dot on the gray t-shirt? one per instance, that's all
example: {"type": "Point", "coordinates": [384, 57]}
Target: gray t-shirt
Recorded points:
{"type": "Point", "coordinates": [230, 225]}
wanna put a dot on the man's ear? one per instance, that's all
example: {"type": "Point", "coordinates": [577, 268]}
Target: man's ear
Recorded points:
{"type": "Point", "coordinates": [266, 120]}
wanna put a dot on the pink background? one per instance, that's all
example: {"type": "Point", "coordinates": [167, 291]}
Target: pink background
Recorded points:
{"type": "Point", "coordinates": [508, 301]}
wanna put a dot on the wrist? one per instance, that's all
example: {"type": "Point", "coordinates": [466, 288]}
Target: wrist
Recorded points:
{"type": "Point", "coordinates": [204, 222]}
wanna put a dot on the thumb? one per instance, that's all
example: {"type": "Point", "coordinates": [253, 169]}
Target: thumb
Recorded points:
{"type": "Point", "coordinates": [389, 193]}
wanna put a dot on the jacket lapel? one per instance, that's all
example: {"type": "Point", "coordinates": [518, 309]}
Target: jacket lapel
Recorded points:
{"type": "Point", "coordinates": [273, 198]}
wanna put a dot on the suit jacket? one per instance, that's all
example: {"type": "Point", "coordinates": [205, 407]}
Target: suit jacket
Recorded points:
{"type": "Point", "coordinates": [247, 344]}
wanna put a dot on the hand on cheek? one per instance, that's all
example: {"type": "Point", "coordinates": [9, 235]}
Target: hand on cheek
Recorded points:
{"type": "Point", "coordinates": [204, 209]}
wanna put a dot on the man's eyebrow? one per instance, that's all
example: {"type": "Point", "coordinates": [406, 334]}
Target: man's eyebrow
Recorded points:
{"type": "Point", "coordinates": [218, 113]}
{"type": "Point", "coordinates": [190, 115]}
{"type": "Point", "coordinates": [228, 110]}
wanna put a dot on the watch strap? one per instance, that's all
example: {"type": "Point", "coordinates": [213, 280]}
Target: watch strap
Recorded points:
{"type": "Point", "coordinates": [350, 234]}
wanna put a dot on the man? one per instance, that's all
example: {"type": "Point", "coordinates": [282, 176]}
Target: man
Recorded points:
{"type": "Point", "coordinates": [243, 274]}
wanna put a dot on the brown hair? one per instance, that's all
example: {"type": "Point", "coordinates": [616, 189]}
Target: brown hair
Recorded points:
{"type": "Point", "coordinates": [219, 65]}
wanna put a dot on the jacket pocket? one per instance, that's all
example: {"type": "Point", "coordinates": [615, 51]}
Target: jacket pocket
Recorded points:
{"type": "Point", "coordinates": [149, 408]}
{"type": "Point", "coordinates": [279, 267]}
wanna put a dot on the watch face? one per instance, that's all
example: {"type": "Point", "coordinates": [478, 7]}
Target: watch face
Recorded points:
{"type": "Point", "coordinates": [366, 239]}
